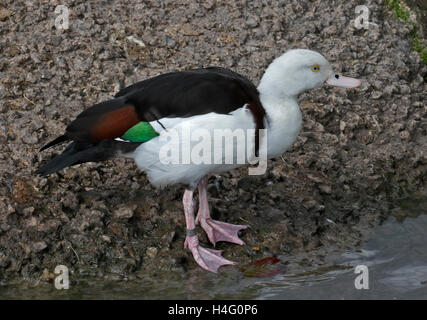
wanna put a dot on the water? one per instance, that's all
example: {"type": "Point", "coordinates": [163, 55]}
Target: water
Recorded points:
{"type": "Point", "coordinates": [395, 255]}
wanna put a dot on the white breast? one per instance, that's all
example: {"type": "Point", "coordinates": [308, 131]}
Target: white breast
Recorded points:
{"type": "Point", "coordinates": [285, 121]}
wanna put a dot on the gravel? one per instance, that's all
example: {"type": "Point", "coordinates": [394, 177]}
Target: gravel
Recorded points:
{"type": "Point", "coordinates": [358, 152]}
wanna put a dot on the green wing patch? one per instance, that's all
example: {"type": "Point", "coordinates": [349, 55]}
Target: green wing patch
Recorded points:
{"type": "Point", "coordinates": [141, 132]}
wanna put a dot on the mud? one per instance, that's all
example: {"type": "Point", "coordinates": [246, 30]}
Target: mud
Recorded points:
{"type": "Point", "coordinates": [358, 151]}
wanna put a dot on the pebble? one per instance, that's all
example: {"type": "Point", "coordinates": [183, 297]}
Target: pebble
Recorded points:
{"type": "Point", "coordinates": [39, 246]}
{"type": "Point", "coordinates": [124, 212]}
{"type": "Point", "coordinates": [151, 252]}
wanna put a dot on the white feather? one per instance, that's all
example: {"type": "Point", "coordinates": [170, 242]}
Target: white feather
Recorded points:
{"type": "Point", "coordinates": [282, 129]}
{"type": "Point", "coordinates": [284, 79]}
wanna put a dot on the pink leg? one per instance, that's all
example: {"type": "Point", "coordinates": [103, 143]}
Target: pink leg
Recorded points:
{"type": "Point", "coordinates": [208, 259]}
{"type": "Point", "coordinates": [216, 230]}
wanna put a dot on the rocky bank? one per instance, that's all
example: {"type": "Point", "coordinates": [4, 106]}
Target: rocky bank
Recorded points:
{"type": "Point", "coordinates": [358, 153]}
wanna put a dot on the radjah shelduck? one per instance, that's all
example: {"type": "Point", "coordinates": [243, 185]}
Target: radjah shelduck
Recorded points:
{"type": "Point", "coordinates": [133, 123]}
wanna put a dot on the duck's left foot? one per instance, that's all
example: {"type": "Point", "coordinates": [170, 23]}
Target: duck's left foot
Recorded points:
{"type": "Point", "coordinates": [221, 231]}
{"type": "Point", "coordinates": [208, 259]}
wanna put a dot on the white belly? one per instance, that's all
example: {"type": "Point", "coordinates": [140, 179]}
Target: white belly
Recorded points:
{"type": "Point", "coordinates": [190, 148]}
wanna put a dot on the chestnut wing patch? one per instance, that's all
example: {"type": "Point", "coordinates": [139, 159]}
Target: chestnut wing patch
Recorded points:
{"type": "Point", "coordinates": [106, 120]}
{"type": "Point", "coordinates": [114, 124]}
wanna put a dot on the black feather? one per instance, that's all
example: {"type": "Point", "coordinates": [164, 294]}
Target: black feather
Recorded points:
{"type": "Point", "coordinates": [58, 140]}
{"type": "Point", "coordinates": [189, 93]}
{"type": "Point", "coordinates": [80, 152]}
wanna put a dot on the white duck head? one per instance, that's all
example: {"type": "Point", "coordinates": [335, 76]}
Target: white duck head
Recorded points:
{"type": "Point", "coordinates": [297, 71]}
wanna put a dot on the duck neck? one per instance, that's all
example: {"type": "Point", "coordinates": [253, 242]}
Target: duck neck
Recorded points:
{"type": "Point", "coordinates": [283, 116]}
{"type": "Point", "coordinates": [274, 100]}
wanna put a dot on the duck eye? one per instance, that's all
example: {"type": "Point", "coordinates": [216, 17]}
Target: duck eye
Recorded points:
{"type": "Point", "coordinates": [315, 68]}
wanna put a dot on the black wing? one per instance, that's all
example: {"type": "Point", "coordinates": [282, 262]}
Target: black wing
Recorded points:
{"type": "Point", "coordinates": [189, 93]}
{"type": "Point", "coordinates": [175, 94]}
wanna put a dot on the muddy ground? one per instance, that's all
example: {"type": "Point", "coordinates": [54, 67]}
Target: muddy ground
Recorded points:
{"type": "Point", "coordinates": [358, 152]}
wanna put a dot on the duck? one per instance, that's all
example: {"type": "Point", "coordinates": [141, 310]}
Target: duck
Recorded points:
{"type": "Point", "coordinates": [168, 124]}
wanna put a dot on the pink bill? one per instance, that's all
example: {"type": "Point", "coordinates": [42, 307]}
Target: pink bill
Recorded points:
{"type": "Point", "coordinates": [341, 81]}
